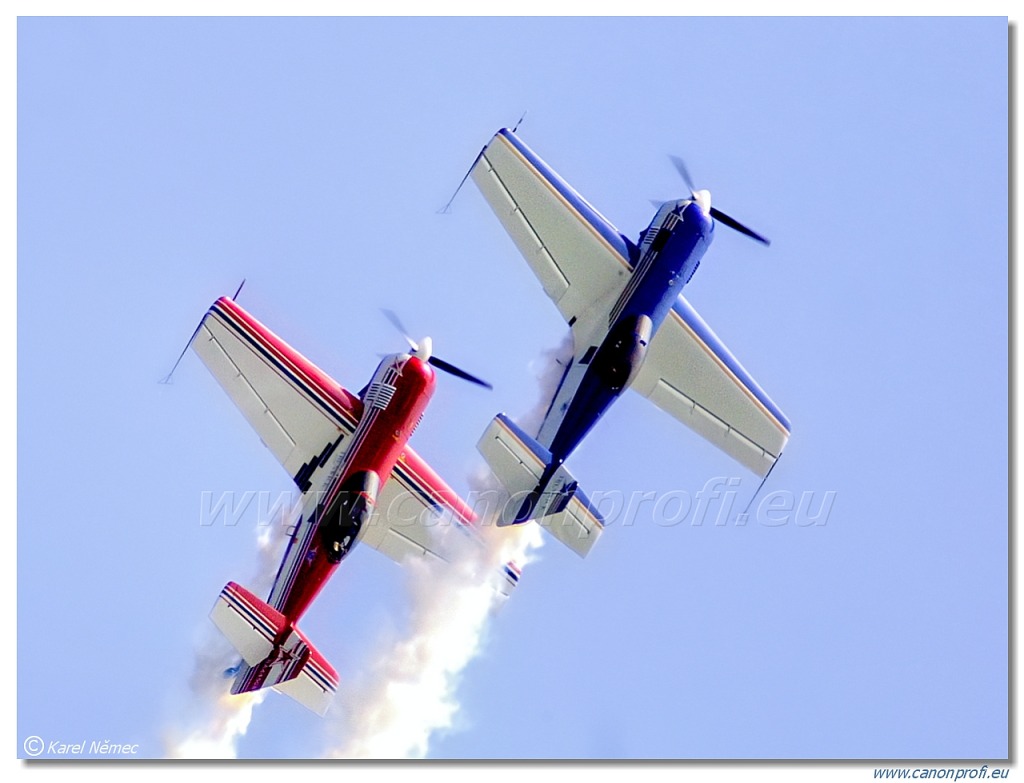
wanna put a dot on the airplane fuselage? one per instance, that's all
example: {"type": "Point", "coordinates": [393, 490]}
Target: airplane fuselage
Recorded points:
{"type": "Point", "coordinates": [669, 254]}
{"type": "Point", "coordinates": [393, 404]}
{"type": "Point", "coordinates": [349, 457]}
{"type": "Point", "coordinates": [630, 328]}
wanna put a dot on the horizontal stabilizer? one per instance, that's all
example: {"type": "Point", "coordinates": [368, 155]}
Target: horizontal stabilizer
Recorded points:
{"type": "Point", "coordinates": [276, 654]}
{"type": "Point", "coordinates": [506, 578]}
{"type": "Point", "coordinates": [539, 490]}
{"type": "Point", "coordinates": [249, 623]}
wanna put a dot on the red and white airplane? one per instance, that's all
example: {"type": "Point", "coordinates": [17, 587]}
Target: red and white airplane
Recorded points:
{"type": "Point", "coordinates": [359, 479]}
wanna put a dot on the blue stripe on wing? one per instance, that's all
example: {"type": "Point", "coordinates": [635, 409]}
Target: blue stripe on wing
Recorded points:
{"type": "Point", "coordinates": [619, 243]}
{"type": "Point", "coordinates": [257, 620]}
{"type": "Point", "coordinates": [319, 676]}
{"type": "Point", "coordinates": [691, 318]}
{"type": "Point", "coordinates": [343, 418]}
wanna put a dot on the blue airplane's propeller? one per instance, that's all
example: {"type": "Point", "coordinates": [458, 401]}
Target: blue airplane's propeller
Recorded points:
{"type": "Point", "coordinates": [424, 349]}
{"type": "Point", "coordinates": [683, 172]}
{"type": "Point", "coordinates": [715, 213]}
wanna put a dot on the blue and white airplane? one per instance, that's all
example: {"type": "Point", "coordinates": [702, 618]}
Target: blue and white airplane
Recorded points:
{"type": "Point", "coordinates": [631, 328]}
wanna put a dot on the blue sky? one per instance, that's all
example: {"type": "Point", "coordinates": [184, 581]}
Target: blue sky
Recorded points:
{"type": "Point", "coordinates": [160, 161]}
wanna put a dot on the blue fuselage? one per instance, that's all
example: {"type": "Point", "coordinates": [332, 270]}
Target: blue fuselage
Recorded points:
{"type": "Point", "coordinates": [668, 256]}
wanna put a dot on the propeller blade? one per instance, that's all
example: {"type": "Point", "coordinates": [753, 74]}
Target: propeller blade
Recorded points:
{"type": "Point", "coordinates": [397, 323]}
{"type": "Point", "coordinates": [451, 369]}
{"type": "Point", "coordinates": [683, 172]}
{"type": "Point", "coordinates": [427, 356]}
{"type": "Point", "coordinates": [732, 223]}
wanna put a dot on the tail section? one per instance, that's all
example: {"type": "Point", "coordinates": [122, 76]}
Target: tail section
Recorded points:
{"type": "Point", "coordinates": [275, 654]}
{"type": "Point", "coordinates": [540, 489]}
{"type": "Point", "coordinates": [505, 578]}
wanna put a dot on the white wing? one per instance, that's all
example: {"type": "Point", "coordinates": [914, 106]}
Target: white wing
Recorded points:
{"type": "Point", "coordinates": [305, 418]}
{"type": "Point", "coordinates": [418, 515]}
{"type": "Point", "coordinates": [415, 511]}
{"type": "Point", "coordinates": [690, 374]}
{"type": "Point", "coordinates": [581, 259]}
{"type": "Point", "coordinates": [298, 411]}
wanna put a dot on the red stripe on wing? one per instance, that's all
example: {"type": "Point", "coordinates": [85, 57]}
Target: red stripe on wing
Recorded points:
{"type": "Point", "coordinates": [305, 370]}
{"type": "Point", "coordinates": [426, 478]}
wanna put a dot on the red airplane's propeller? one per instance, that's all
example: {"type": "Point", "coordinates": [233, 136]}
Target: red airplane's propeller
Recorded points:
{"type": "Point", "coordinates": [423, 349]}
{"type": "Point", "coordinates": [702, 196]}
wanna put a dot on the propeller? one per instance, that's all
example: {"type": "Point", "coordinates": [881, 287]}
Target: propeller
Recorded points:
{"type": "Point", "coordinates": [683, 172]}
{"type": "Point", "coordinates": [424, 350]}
{"type": "Point", "coordinates": [703, 198]}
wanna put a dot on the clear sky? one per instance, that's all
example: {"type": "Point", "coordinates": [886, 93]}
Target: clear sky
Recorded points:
{"type": "Point", "coordinates": [160, 161]}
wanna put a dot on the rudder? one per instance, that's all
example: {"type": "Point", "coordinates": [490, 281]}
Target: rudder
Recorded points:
{"type": "Point", "coordinates": [276, 654]}
{"type": "Point", "coordinates": [539, 489]}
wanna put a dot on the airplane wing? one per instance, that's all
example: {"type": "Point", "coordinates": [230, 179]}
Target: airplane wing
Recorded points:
{"type": "Point", "coordinates": [300, 413]}
{"type": "Point", "coordinates": [305, 418]}
{"type": "Point", "coordinates": [583, 262]}
{"type": "Point", "coordinates": [419, 515]}
{"type": "Point", "coordinates": [690, 374]}
{"type": "Point", "coordinates": [411, 503]}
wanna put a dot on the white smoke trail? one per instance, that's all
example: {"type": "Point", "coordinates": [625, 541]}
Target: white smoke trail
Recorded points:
{"type": "Point", "coordinates": [549, 368]}
{"type": "Point", "coordinates": [411, 692]}
{"type": "Point", "coordinates": [214, 720]}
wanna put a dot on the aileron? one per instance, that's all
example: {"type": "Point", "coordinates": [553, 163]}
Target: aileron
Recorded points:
{"type": "Point", "coordinates": [359, 479]}
{"type": "Point", "coordinates": [692, 376]}
{"type": "Point", "coordinates": [631, 327]}
{"type": "Point", "coordinates": [577, 255]}
{"type": "Point", "coordinates": [285, 399]}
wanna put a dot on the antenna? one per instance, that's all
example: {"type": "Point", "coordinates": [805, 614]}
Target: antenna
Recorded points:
{"type": "Point", "coordinates": [759, 486]}
{"type": "Point", "coordinates": [447, 208]}
{"type": "Point", "coordinates": [167, 380]}
{"type": "Point", "coordinates": [520, 120]}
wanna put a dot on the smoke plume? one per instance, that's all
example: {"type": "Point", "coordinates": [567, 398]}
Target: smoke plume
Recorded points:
{"type": "Point", "coordinates": [213, 720]}
{"type": "Point", "coordinates": [411, 693]}
{"type": "Point", "coordinates": [394, 710]}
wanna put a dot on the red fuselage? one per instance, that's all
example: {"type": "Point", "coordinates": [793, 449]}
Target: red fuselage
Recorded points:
{"type": "Point", "coordinates": [392, 406]}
